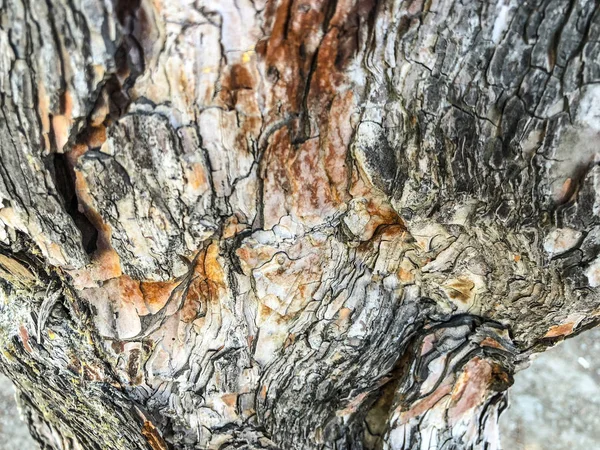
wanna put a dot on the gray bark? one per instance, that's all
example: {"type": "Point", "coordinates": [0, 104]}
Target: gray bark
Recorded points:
{"type": "Point", "coordinates": [292, 224]}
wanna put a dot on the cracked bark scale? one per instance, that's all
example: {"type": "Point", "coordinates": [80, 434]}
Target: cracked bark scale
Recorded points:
{"type": "Point", "coordinates": [292, 224]}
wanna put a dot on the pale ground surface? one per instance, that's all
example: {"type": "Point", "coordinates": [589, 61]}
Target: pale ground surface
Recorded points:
{"type": "Point", "coordinates": [555, 404]}
{"type": "Point", "coordinates": [14, 434]}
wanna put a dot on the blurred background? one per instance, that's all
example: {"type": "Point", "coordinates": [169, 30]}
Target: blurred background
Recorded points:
{"type": "Point", "coordinates": [554, 405]}
{"type": "Point", "coordinates": [13, 432]}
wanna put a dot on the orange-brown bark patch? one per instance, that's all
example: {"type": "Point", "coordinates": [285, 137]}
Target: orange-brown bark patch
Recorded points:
{"type": "Point", "coordinates": [336, 141]}
{"type": "Point", "coordinates": [471, 388]}
{"type": "Point", "coordinates": [230, 399]}
{"type": "Point", "coordinates": [295, 35]}
{"type": "Point", "coordinates": [232, 227]}
{"type": "Point", "coordinates": [560, 330]}
{"type": "Point", "coordinates": [460, 289]}
{"type": "Point", "coordinates": [426, 404]}
{"type": "Point", "coordinates": [61, 123]}
{"type": "Point", "coordinates": [199, 294]}
{"type": "Point", "coordinates": [406, 276]}
{"type": "Point", "coordinates": [305, 59]}
{"type": "Point", "coordinates": [428, 344]}
{"type": "Point", "coordinates": [96, 136]}
{"type": "Point", "coordinates": [44, 113]}
{"type": "Point", "coordinates": [104, 261]}
{"type": "Point", "coordinates": [25, 339]}
{"type": "Point", "coordinates": [291, 339]}
{"type": "Point", "coordinates": [207, 286]}
{"type": "Point", "coordinates": [153, 437]}
{"type": "Point", "coordinates": [310, 42]}
{"type": "Point", "coordinates": [378, 207]}
{"type": "Point", "coordinates": [276, 179]}
{"type": "Point", "coordinates": [312, 194]}
{"type": "Point", "coordinates": [567, 191]}
{"type": "Point", "coordinates": [489, 342]}
{"type": "Point", "coordinates": [241, 78]}
{"type": "Point", "coordinates": [126, 289]}
{"type": "Point", "coordinates": [211, 267]}
{"type": "Point", "coordinates": [156, 294]}
{"type": "Point", "coordinates": [196, 177]}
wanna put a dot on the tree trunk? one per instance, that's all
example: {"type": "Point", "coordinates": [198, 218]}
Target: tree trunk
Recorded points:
{"type": "Point", "coordinates": [294, 224]}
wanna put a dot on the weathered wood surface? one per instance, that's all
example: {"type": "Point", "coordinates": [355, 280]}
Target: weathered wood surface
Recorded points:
{"type": "Point", "coordinates": [292, 224]}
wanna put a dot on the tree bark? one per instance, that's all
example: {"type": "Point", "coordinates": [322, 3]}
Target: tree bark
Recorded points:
{"type": "Point", "coordinates": [292, 224]}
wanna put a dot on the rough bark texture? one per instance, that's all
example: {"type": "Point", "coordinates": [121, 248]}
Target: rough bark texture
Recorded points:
{"type": "Point", "coordinates": [292, 224]}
